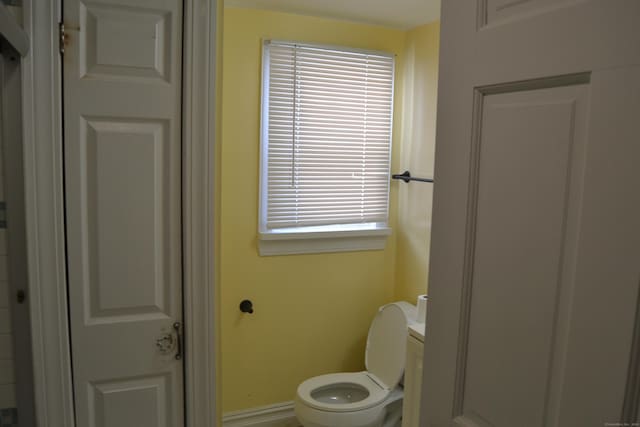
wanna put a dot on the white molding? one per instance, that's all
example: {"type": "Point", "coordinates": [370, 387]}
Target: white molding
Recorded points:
{"type": "Point", "coordinates": [199, 130]}
{"type": "Point", "coordinates": [42, 135]}
{"type": "Point", "coordinates": [277, 415]}
{"type": "Point", "coordinates": [270, 244]}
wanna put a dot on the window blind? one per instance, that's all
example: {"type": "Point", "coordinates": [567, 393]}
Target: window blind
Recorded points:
{"type": "Point", "coordinates": [327, 118]}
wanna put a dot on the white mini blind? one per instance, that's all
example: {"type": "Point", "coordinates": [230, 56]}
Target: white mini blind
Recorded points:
{"type": "Point", "coordinates": [327, 119]}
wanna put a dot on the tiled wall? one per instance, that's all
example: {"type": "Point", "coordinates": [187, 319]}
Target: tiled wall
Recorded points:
{"type": "Point", "coordinates": [7, 388]}
{"type": "Point", "coordinates": [8, 417]}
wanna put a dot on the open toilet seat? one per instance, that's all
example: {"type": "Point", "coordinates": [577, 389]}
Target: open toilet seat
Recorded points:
{"type": "Point", "coordinates": [371, 398]}
{"type": "Point", "coordinates": [317, 393]}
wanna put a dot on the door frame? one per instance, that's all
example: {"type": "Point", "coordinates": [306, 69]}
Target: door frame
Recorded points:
{"type": "Point", "coordinates": [45, 220]}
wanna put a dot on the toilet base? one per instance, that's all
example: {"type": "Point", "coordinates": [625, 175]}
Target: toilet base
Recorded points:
{"type": "Point", "coordinates": [393, 415]}
{"type": "Point", "coordinates": [386, 414]}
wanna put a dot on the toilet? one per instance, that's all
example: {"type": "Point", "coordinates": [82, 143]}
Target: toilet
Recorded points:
{"type": "Point", "coordinates": [372, 398]}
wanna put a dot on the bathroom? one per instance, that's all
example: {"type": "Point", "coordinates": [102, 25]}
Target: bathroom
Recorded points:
{"type": "Point", "coordinates": [312, 311]}
{"type": "Point", "coordinates": [146, 276]}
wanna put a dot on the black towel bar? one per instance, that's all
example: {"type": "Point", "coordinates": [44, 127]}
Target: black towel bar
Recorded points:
{"type": "Point", "coordinates": [406, 177]}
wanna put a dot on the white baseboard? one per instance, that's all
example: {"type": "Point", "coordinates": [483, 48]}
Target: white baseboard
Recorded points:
{"type": "Point", "coordinates": [278, 415]}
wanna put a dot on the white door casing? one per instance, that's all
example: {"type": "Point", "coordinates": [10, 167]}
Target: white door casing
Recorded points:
{"type": "Point", "coordinates": [536, 226]}
{"type": "Point", "coordinates": [122, 128]}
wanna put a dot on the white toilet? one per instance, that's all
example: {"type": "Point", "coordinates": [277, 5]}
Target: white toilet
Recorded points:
{"type": "Point", "coordinates": [372, 398]}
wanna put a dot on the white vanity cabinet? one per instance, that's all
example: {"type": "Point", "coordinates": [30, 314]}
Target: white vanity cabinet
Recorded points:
{"type": "Point", "coordinates": [413, 376]}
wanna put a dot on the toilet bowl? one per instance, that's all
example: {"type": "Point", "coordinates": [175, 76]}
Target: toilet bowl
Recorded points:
{"type": "Point", "coordinates": [372, 398]}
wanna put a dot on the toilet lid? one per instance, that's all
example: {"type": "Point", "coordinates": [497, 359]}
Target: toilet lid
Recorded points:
{"type": "Point", "coordinates": [386, 345]}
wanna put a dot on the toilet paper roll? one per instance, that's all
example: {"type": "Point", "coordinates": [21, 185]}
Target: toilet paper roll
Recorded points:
{"type": "Point", "coordinates": [422, 308]}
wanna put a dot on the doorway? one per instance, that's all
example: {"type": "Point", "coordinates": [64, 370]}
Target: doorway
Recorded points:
{"type": "Point", "coordinates": [44, 191]}
{"type": "Point", "coordinates": [332, 296]}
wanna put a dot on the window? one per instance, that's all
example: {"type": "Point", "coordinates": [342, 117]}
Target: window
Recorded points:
{"type": "Point", "coordinates": [326, 146]}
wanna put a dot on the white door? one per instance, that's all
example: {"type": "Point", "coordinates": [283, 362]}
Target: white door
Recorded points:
{"type": "Point", "coordinates": [122, 131]}
{"type": "Point", "coordinates": [535, 258]}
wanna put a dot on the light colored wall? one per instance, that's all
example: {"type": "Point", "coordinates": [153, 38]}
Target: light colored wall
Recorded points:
{"type": "Point", "coordinates": [417, 143]}
{"type": "Point", "coordinates": [312, 312]}
{"type": "Point", "coordinates": [7, 386]}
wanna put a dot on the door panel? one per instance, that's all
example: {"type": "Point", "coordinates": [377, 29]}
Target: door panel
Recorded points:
{"type": "Point", "coordinates": [122, 109]}
{"type": "Point", "coordinates": [528, 177]}
{"type": "Point", "coordinates": [126, 165]}
{"type": "Point", "coordinates": [495, 11]}
{"type": "Point", "coordinates": [126, 42]}
{"type": "Point", "coordinates": [118, 403]}
{"type": "Point", "coordinates": [534, 272]}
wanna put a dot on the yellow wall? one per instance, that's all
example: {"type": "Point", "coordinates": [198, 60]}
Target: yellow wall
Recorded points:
{"type": "Point", "coordinates": [417, 142]}
{"type": "Point", "coordinates": [312, 312]}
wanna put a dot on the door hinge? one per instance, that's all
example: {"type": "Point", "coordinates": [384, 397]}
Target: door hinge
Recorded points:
{"type": "Point", "coordinates": [62, 37]}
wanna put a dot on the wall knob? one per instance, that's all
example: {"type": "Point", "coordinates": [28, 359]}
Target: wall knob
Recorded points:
{"type": "Point", "coordinates": [246, 306]}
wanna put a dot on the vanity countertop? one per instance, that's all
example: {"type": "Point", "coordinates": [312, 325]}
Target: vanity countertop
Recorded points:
{"type": "Point", "coordinates": [416, 330]}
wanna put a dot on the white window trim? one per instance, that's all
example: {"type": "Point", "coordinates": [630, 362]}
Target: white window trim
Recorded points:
{"type": "Point", "coordinates": [341, 238]}
{"type": "Point", "coordinates": [310, 240]}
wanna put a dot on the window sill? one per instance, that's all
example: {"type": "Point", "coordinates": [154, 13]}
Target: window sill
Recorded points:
{"type": "Point", "coordinates": [311, 240]}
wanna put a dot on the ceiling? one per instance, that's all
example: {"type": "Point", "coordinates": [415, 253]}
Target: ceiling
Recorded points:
{"type": "Point", "coordinates": [403, 14]}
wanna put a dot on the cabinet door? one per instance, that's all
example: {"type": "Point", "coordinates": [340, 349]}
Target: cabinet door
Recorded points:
{"type": "Point", "coordinates": [412, 383]}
